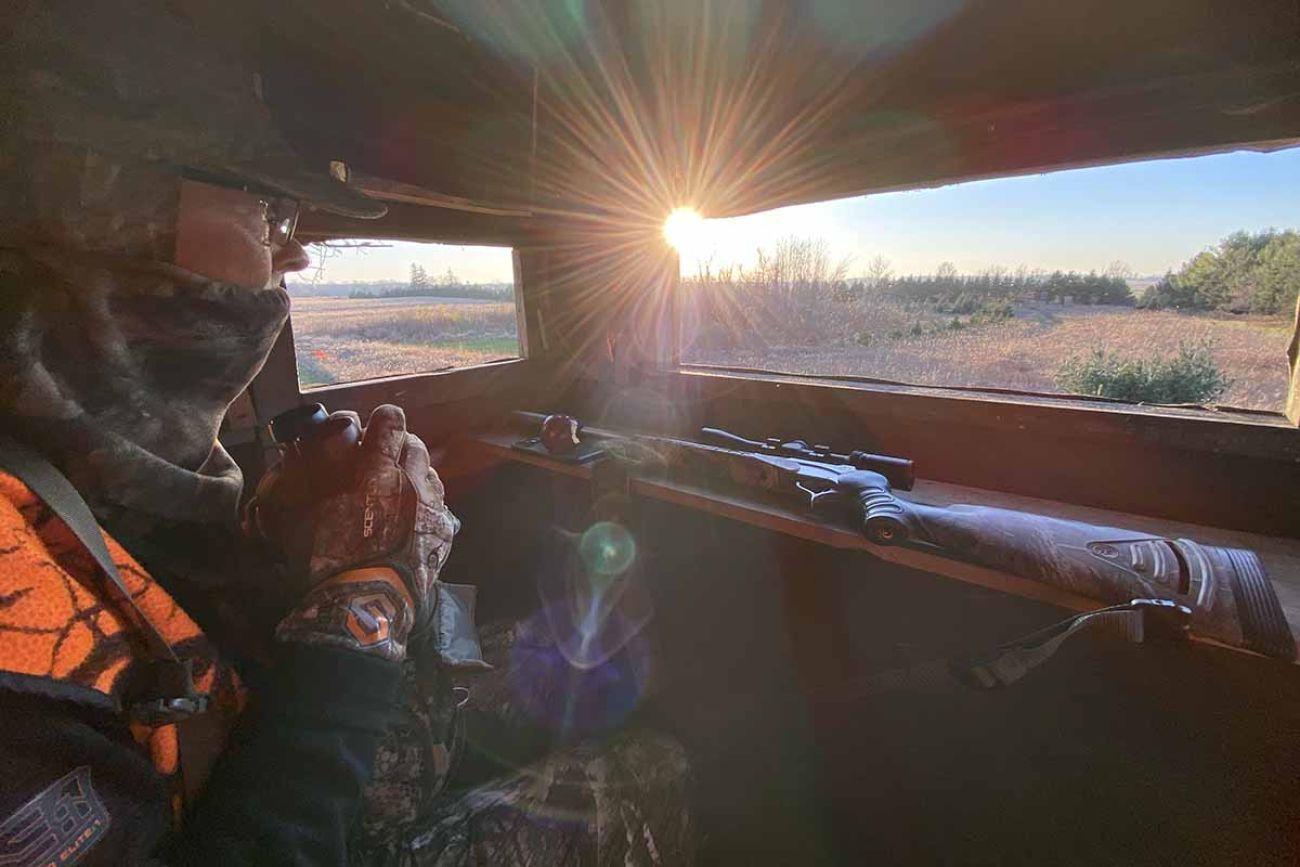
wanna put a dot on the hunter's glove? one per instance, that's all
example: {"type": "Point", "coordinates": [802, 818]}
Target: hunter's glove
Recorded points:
{"type": "Point", "coordinates": [377, 545]}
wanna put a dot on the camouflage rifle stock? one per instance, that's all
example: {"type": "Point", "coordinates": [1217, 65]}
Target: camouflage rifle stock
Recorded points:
{"type": "Point", "coordinates": [1227, 590]}
{"type": "Point", "coordinates": [1230, 596]}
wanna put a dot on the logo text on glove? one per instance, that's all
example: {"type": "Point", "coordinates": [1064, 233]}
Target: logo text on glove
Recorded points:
{"type": "Point", "coordinates": [368, 516]}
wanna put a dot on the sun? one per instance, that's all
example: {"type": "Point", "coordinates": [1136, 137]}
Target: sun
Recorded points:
{"type": "Point", "coordinates": [684, 229]}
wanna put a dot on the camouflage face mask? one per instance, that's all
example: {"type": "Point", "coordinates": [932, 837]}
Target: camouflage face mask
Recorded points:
{"type": "Point", "coordinates": [120, 371]}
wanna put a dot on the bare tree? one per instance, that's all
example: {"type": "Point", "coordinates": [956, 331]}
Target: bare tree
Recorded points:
{"type": "Point", "coordinates": [798, 265]}
{"type": "Point", "coordinates": [322, 251]}
{"type": "Point", "coordinates": [1120, 269]}
{"type": "Point", "coordinates": [879, 271]}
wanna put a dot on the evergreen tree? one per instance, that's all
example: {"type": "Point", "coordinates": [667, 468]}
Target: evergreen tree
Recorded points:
{"type": "Point", "coordinates": [1244, 273]}
{"type": "Point", "coordinates": [419, 278]}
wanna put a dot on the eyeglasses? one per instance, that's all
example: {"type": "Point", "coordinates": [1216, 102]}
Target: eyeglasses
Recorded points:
{"type": "Point", "coordinates": [280, 213]}
{"type": "Point", "coordinates": [281, 220]}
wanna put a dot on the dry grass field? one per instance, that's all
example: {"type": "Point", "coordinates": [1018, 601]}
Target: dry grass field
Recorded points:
{"type": "Point", "coordinates": [344, 340]}
{"type": "Point", "coordinates": [349, 339]}
{"type": "Point", "coordinates": [1026, 351]}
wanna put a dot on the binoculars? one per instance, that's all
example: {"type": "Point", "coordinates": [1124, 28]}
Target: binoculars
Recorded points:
{"type": "Point", "coordinates": [309, 431]}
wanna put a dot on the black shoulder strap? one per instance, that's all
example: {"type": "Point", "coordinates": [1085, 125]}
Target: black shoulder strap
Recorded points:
{"type": "Point", "coordinates": [171, 676]}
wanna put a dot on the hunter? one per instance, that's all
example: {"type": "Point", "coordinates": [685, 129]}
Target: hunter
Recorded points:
{"type": "Point", "coordinates": [221, 710]}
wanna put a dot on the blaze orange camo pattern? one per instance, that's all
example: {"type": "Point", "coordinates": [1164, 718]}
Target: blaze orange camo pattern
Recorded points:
{"type": "Point", "coordinates": [57, 623]}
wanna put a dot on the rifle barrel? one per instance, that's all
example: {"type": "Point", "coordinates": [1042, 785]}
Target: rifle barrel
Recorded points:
{"type": "Point", "coordinates": [730, 440]}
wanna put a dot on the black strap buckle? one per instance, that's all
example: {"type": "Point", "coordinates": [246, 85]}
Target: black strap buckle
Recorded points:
{"type": "Point", "coordinates": [165, 694]}
{"type": "Point", "coordinates": [1163, 620]}
{"type": "Point", "coordinates": [165, 711]}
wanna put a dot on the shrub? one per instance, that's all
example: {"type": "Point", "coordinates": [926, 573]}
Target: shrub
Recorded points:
{"type": "Point", "coordinates": [993, 312]}
{"type": "Point", "coordinates": [1191, 376]}
{"type": "Point", "coordinates": [864, 338]}
{"type": "Point", "coordinates": [1174, 292]}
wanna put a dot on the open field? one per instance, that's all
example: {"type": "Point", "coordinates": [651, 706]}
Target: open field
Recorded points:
{"type": "Point", "coordinates": [348, 339]}
{"type": "Point", "coordinates": [1025, 352]}
{"type": "Point", "coordinates": [344, 340]}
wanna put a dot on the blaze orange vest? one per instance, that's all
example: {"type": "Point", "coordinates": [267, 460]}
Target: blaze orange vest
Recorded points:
{"type": "Point", "coordinates": [61, 635]}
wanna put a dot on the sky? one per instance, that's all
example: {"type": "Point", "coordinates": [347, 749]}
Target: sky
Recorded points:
{"type": "Point", "coordinates": [393, 262]}
{"type": "Point", "coordinates": [1152, 216]}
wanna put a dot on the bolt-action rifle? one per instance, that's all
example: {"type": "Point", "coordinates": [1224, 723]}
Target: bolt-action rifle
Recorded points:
{"type": "Point", "coordinates": [1230, 597]}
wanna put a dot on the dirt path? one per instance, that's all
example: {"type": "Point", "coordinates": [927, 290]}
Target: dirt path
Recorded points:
{"type": "Point", "coordinates": [1035, 313]}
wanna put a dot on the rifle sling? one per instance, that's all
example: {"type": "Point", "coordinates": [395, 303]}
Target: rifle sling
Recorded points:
{"type": "Point", "coordinates": [167, 693]}
{"type": "Point", "coordinates": [1142, 621]}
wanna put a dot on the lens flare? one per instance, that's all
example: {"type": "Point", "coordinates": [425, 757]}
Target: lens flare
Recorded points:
{"type": "Point", "coordinates": [607, 548]}
{"type": "Point", "coordinates": [684, 229]}
{"type": "Point", "coordinates": [575, 702]}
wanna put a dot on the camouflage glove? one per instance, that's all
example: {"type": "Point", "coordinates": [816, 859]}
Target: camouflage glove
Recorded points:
{"type": "Point", "coordinates": [376, 547]}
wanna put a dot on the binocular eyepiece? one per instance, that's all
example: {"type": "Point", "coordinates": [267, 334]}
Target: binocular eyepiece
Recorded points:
{"type": "Point", "coordinates": [310, 434]}
{"type": "Point", "coordinates": [312, 423]}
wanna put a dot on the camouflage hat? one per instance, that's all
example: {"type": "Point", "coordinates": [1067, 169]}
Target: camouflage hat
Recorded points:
{"type": "Point", "coordinates": [137, 80]}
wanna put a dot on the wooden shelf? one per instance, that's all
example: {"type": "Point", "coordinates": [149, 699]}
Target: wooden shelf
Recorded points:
{"type": "Point", "coordinates": [1281, 557]}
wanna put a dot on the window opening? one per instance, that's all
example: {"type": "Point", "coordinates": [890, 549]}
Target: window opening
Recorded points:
{"type": "Point", "coordinates": [368, 309]}
{"type": "Point", "coordinates": [1166, 281]}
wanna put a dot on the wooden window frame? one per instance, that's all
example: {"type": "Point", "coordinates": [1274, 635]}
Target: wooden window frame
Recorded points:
{"type": "Point", "coordinates": [276, 388]}
{"type": "Point", "coordinates": [1231, 469]}
{"type": "Point", "coordinates": [1212, 469]}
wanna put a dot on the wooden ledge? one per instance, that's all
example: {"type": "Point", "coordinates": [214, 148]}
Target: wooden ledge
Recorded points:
{"type": "Point", "coordinates": [1281, 557]}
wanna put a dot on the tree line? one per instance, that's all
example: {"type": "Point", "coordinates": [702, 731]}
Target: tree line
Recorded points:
{"type": "Point", "coordinates": [803, 268]}
{"type": "Point", "coordinates": [1246, 272]}
{"type": "Point", "coordinates": [950, 292]}
{"type": "Point", "coordinates": [448, 285]}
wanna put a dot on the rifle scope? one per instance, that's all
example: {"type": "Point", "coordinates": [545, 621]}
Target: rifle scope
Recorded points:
{"type": "Point", "coordinates": [900, 471]}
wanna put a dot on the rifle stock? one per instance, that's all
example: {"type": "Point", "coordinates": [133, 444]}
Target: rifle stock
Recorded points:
{"type": "Point", "coordinates": [1230, 595]}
